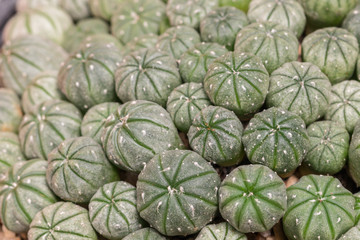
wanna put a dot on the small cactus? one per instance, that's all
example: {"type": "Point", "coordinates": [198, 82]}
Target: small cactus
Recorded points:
{"type": "Point", "coordinates": [10, 151]}
{"type": "Point", "coordinates": [10, 109]}
{"type": "Point", "coordinates": [145, 234]}
{"type": "Point", "coordinates": [218, 231]}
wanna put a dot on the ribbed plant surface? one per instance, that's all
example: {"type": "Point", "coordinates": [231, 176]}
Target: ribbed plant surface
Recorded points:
{"type": "Point", "coordinates": [11, 112]}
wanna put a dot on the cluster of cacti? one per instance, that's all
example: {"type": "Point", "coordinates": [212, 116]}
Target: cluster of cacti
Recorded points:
{"type": "Point", "coordinates": [181, 119]}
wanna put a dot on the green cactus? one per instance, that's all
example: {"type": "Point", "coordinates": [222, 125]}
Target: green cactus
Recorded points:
{"type": "Point", "coordinates": [22, 5]}
{"type": "Point", "coordinates": [10, 109]}
{"type": "Point", "coordinates": [144, 234]}
{"type": "Point", "coordinates": [352, 234]}
{"type": "Point", "coordinates": [352, 22]}
{"type": "Point", "coordinates": [177, 192]}
{"type": "Point", "coordinates": [77, 9]}
{"type": "Point", "coordinates": [146, 41]}
{"type": "Point", "coordinates": [104, 9]}
{"type": "Point", "coordinates": [220, 231]}
{"type": "Point", "coordinates": [357, 209]}
{"type": "Point", "coordinates": [103, 39]}
{"type": "Point", "coordinates": [354, 163]}
{"type": "Point", "coordinates": [240, 4]}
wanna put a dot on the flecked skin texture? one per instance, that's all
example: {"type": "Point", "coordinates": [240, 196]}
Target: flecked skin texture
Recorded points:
{"type": "Point", "coordinates": [189, 13]}
{"type": "Point", "coordinates": [277, 139]}
{"type": "Point", "coordinates": [77, 168]}
{"type": "Point", "coordinates": [218, 231]}
{"type": "Point", "coordinates": [104, 8]}
{"type": "Point", "coordinates": [10, 110]}
{"type": "Point", "coordinates": [215, 134]}
{"type": "Point", "coordinates": [352, 234]}
{"type": "Point", "coordinates": [300, 88]}
{"type": "Point", "coordinates": [177, 40]}
{"type": "Point", "coordinates": [145, 41]}
{"type": "Point", "coordinates": [272, 42]}
{"type": "Point", "coordinates": [344, 105]}
{"type": "Point", "coordinates": [88, 76]}
{"type": "Point", "coordinates": [62, 220]}
{"type": "Point", "coordinates": [77, 9]}
{"type": "Point", "coordinates": [104, 39]}
{"type": "Point", "coordinates": [47, 22]}
{"type": "Point", "coordinates": [238, 82]}
{"type": "Point", "coordinates": [112, 210]}
{"type": "Point", "coordinates": [22, 5]}
{"type": "Point", "coordinates": [352, 22]}
{"type": "Point", "coordinates": [95, 118]}
{"type": "Point", "coordinates": [222, 25]}
{"type": "Point", "coordinates": [354, 152]}
{"type": "Point", "coordinates": [137, 18]}
{"type": "Point", "coordinates": [194, 63]}
{"type": "Point", "coordinates": [329, 145]}
{"type": "Point", "coordinates": [41, 55]}
{"type": "Point", "coordinates": [147, 74]}
{"type": "Point", "coordinates": [10, 151]}
{"type": "Point", "coordinates": [43, 130]}
{"type": "Point", "coordinates": [144, 234]}
{"type": "Point", "coordinates": [177, 192]}
{"type": "Point", "coordinates": [317, 201]}
{"type": "Point", "coordinates": [24, 192]}
{"type": "Point", "coordinates": [288, 13]}
{"type": "Point", "coordinates": [41, 89]}
{"type": "Point", "coordinates": [240, 4]}
{"type": "Point", "coordinates": [357, 208]}
{"type": "Point", "coordinates": [185, 102]}
{"type": "Point", "coordinates": [252, 198]}
{"type": "Point", "coordinates": [333, 50]}
{"type": "Point", "coordinates": [136, 132]}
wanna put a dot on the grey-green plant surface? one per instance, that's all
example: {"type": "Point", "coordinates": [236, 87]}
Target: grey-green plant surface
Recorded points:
{"type": "Point", "coordinates": [218, 231]}
{"type": "Point", "coordinates": [77, 9]}
{"type": "Point", "coordinates": [277, 139]}
{"type": "Point", "coordinates": [137, 18]}
{"type": "Point", "coordinates": [333, 50]}
{"type": "Point", "coordinates": [238, 82]}
{"type": "Point", "coordinates": [252, 198]}
{"type": "Point", "coordinates": [47, 22]}
{"type": "Point", "coordinates": [270, 41]}
{"type": "Point", "coordinates": [177, 40]}
{"type": "Point", "coordinates": [112, 210]}
{"type": "Point", "coordinates": [189, 13]}
{"type": "Point", "coordinates": [352, 22]}
{"type": "Point", "coordinates": [194, 63]}
{"type": "Point", "coordinates": [329, 145]}
{"type": "Point", "coordinates": [319, 207]}
{"type": "Point", "coordinates": [95, 118]}
{"type": "Point", "coordinates": [77, 168]}
{"type": "Point", "coordinates": [222, 25]}
{"type": "Point", "coordinates": [44, 129]}
{"type": "Point", "coordinates": [10, 108]}
{"type": "Point", "coordinates": [136, 132]}
{"type": "Point", "coordinates": [288, 13]}
{"type": "Point", "coordinates": [352, 234]}
{"type": "Point", "coordinates": [39, 55]}
{"type": "Point", "coordinates": [300, 88]}
{"type": "Point", "coordinates": [104, 9]}
{"type": "Point", "coordinates": [344, 104]}
{"type": "Point", "coordinates": [138, 43]}
{"type": "Point", "coordinates": [147, 74]}
{"type": "Point", "coordinates": [354, 152]}
{"type": "Point", "coordinates": [22, 5]}
{"type": "Point", "coordinates": [240, 4]}
{"type": "Point", "coordinates": [185, 102]}
{"type": "Point", "coordinates": [215, 134]}
{"type": "Point", "coordinates": [103, 39]}
{"type": "Point", "coordinates": [357, 208]}
{"type": "Point", "coordinates": [23, 193]}
{"type": "Point", "coordinates": [41, 89]}
{"type": "Point", "coordinates": [145, 234]}
{"type": "Point", "coordinates": [10, 152]}
{"type": "Point", "coordinates": [177, 192]}
{"type": "Point", "coordinates": [62, 220]}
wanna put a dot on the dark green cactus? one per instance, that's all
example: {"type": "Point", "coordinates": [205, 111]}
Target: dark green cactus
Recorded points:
{"type": "Point", "coordinates": [10, 152]}
{"type": "Point", "coordinates": [218, 231]}
{"type": "Point", "coordinates": [144, 234]}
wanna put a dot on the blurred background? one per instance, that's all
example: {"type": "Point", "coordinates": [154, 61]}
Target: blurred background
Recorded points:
{"type": "Point", "coordinates": [7, 9]}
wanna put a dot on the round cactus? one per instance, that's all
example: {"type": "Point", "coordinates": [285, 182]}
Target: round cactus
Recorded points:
{"type": "Point", "coordinates": [77, 9]}
{"type": "Point", "coordinates": [146, 41]}
{"type": "Point", "coordinates": [22, 5]}
{"type": "Point", "coordinates": [103, 39]}
{"type": "Point", "coordinates": [41, 89]}
{"type": "Point", "coordinates": [46, 21]}
{"type": "Point", "coordinates": [352, 234]}
{"type": "Point", "coordinates": [177, 40]}
{"type": "Point", "coordinates": [147, 74]}
{"type": "Point", "coordinates": [10, 109]}
{"type": "Point", "coordinates": [354, 153]}
{"type": "Point", "coordinates": [43, 130]}
{"type": "Point", "coordinates": [10, 152]}
{"type": "Point", "coordinates": [277, 139]}
{"type": "Point", "coordinates": [357, 208]}
{"type": "Point", "coordinates": [318, 201]}
{"type": "Point", "coordinates": [185, 102]}
{"type": "Point", "coordinates": [333, 50]}
{"type": "Point", "coordinates": [222, 25]}
{"type": "Point", "coordinates": [215, 134]}
{"type": "Point", "coordinates": [94, 120]}
{"type": "Point", "coordinates": [40, 55]}
{"type": "Point", "coordinates": [177, 192]}
{"type": "Point", "coordinates": [144, 234]}
{"type": "Point", "coordinates": [195, 62]}
{"type": "Point", "coordinates": [104, 9]}
{"type": "Point", "coordinates": [136, 132]}
{"type": "Point", "coordinates": [137, 18]}
{"type": "Point", "coordinates": [240, 4]}
{"type": "Point", "coordinates": [24, 192]}
{"type": "Point", "coordinates": [300, 88]}
{"type": "Point", "coordinates": [288, 13]}
{"type": "Point", "coordinates": [252, 198]}
{"type": "Point", "coordinates": [220, 231]}
{"type": "Point", "coordinates": [77, 168]}
{"type": "Point", "coordinates": [352, 22]}
{"type": "Point", "coordinates": [328, 150]}
{"type": "Point", "coordinates": [238, 82]}
{"type": "Point", "coordinates": [189, 13]}
{"type": "Point", "coordinates": [113, 211]}
{"type": "Point", "coordinates": [270, 41]}
{"type": "Point", "coordinates": [344, 104]}
{"type": "Point", "coordinates": [62, 220]}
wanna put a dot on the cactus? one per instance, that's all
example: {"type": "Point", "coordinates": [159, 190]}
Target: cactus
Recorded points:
{"type": "Point", "coordinates": [220, 231]}
{"type": "Point", "coordinates": [22, 5]}
{"type": "Point", "coordinates": [10, 109]}
{"type": "Point", "coordinates": [318, 201]}
{"type": "Point", "coordinates": [354, 163]}
{"type": "Point", "coordinates": [10, 152]}
{"type": "Point", "coordinates": [240, 4]}
{"type": "Point", "coordinates": [144, 234]}
{"type": "Point", "coordinates": [352, 234]}
{"type": "Point", "coordinates": [177, 192]}
{"type": "Point", "coordinates": [352, 22]}
{"type": "Point", "coordinates": [357, 209]}
{"type": "Point", "coordinates": [215, 134]}
{"type": "Point", "coordinates": [103, 39]}
{"type": "Point", "coordinates": [104, 9]}
{"type": "Point", "coordinates": [146, 41]}
{"type": "Point", "coordinates": [77, 9]}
